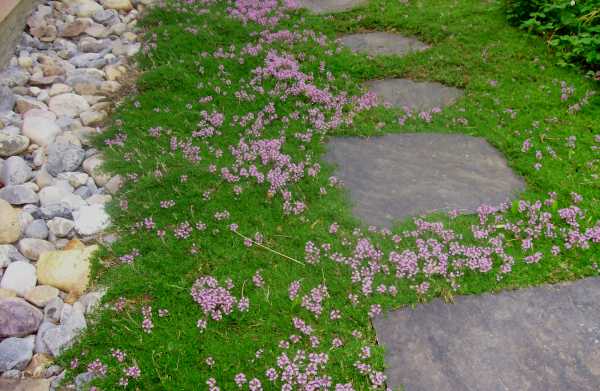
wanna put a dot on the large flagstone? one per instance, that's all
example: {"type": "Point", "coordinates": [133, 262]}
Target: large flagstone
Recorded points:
{"type": "Point", "coordinates": [538, 339]}
{"type": "Point", "coordinates": [327, 6]}
{"type": "Point", "coordinates": [418, 96]}
{"type": "Point", "coordinates": [397, 176]}
{"type": "Point", "coordinates": [377, 43]}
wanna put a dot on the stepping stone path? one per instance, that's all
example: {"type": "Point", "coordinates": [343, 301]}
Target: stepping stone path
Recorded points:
{"type": "Point", "coordinates": [377, 43]}
{"type": "Point", "coordinates": [538, 339]}
{"type": "Point", "coordinates": [397, 176]}
{"type": "Point", "coordinates": [419, 96]}
{"type": "Point", "coordinates": [544, 338]}
{"type": "Point", "coordinates": [327, 6]}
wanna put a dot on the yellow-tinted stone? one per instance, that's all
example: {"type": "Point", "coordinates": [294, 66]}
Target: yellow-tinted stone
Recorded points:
{"type": "Point", "coordinates": [72, 297]}
{"type": "Point", "coordinates": [6, 293]}
{"type": "Point", "coordinates": [10, 228]}
{"type": "Point", "coordinates": [121, 5]}
{"type": "Point", "coordinates": [41, 295]}
{"type": "Point", "coordinates": [38, 364]}
{"type": "Point", "coordinates": [68, 270]}
{"type": "Point", "coordinates": [74, 244]}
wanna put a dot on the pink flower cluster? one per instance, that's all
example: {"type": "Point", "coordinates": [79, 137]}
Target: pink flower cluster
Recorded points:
{"type": "Point", "coordinates": [215, 300]}
{"type": "Point", "coordinates": [439, 252]}
{"type": "Point", "coordinates": [265, 12]}
{"type": "Point", "coordinates": [313, 301]}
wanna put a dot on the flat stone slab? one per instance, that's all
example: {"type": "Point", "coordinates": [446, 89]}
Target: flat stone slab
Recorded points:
{"type": "Point", "coordinates": [397, 176]}
{"type": "Point", "coordinates": [327, 6]}
{"type": "Point", "coordinates": [538, 339]}
{"type": "Point", "coordinates": [419, 96]}
{"type": "Point", "coordinates": [378, 43]}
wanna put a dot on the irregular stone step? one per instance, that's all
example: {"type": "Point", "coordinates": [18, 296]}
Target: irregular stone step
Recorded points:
{"type": "Point", "coordinates": [378, 43]}
{"type": "Point", "coordinates": [419, 96]}
{"type": "Point", "coordinates": [537, 339]}
{"type": "Point", "coordinates": [327, 6]}
{"type": "Point", "coordinates": [398, 176]}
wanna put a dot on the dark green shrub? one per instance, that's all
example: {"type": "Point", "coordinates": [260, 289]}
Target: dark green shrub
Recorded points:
{"type": "Point", "coordinates": [519, 11]}
{"type": "Point", "coordinates": [571, 27]}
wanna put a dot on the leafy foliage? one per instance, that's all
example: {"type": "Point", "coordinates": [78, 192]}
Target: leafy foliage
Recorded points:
{"type": "Point", "coordinates": [571, 27]}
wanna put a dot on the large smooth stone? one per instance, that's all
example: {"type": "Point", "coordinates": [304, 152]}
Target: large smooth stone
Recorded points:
{"type": "Point", "coordinates": [378, 43]}
{"type": "Point", "coordinates": [64, 157]}
{"type": "Point", "coordinates": [68, 104]}
{"type": "Point", "coordinates": [25, 103]}
{"type": "Point", "coordinates": [88, 60]}
{"type": "Point", "coordinates": [53, 195]}
{"type": "Point", "coordinates": [19, 277]}
{"type": "Point", "coordinates": [68, 270]}
{"type": "Point", "coordinates": [398, 176]}
{"type": "Point", "coordinates": [13, 76]}
{"type": "Point", "coordinates": [75, 28]}
{"type": "Point", "coordinates": [92, 118]}
{"type": "Point", "coordinates": [418, 96]}
{"type": "Point", "coordinates": [37, 229]}
{"type": "Point", "coordinates": [91, 300]}
{"type": "Point", "coordinates": [18, 195]}
{"type": "Point", "coordinates": [7, 99]}
{"type": "Point", "coordinates": [62, 336]}
{"type": "Point", "coordinates": [12, 144]}
{"type": "Point", "coordinates": [83, 8]}
{"type": "Point", "coordinates": [41, 295]}
{"type": "Point", "coordinates": [106, 16]}
{"type": "Point", "coordinates": [10, 227]}
{"type": "Point", "coordinates": [40, 126]}
{"type": "Point", "coordinates": [56, 210]}
{"type": "Point", "coordinates": [18, 318]}
{"type": "Point", "coordinates": [32, 248]}
{"type": "Point", "coordinates": [121, 5]}
{"type": "Point", "coordinates": [92, 166]}
{"type": "Point", "coordinates": [60, 227]}
{"type": "Point", "coordinates": [15, 353]}
{"type": "Point", "coordinates": [91, 220]}
{"type": "Point", "coordinates": [8, 254]}
{"type": "Point", "coordinates": [537, 339]}
{"type": "Point", "coordinates": [15, 171]}
{"type": "Point", "coordinates": [52, 311]}
{"type": "Point", "coordinates": [327, 6]}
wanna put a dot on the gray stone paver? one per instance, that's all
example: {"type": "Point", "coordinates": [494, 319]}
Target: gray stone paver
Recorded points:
{"type": "Point", "coordinates": [419, 96]}
{"type": "Point", "coordinates": [538, 339]}
{"type": "Point", "coordinates": [378, 43]}
{"type": "Point", "coordinates": [327, 6]}
{"type": "Point", "coordinates": [396, 176]}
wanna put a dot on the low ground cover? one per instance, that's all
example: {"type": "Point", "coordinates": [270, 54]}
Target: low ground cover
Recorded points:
{"type": "Point", "coordinates": [239, 263]}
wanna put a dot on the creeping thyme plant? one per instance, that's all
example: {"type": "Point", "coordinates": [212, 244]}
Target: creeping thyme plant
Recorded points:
{"type": "Point", "coordinates": [239, 264]}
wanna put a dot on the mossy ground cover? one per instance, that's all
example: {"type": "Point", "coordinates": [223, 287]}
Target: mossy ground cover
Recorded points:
{"type": "Point", "coordinates": [175, 213]}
